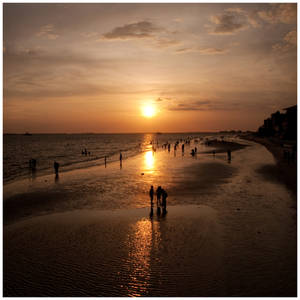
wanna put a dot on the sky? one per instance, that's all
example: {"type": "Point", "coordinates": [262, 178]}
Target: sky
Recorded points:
{"type": "Point", "coordinates": [73, 68]}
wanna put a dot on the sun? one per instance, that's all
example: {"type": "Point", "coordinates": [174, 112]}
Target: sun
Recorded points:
{"type": "Point", "coordinates": [148, 111]}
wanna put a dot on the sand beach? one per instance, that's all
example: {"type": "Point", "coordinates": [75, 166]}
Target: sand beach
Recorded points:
{"type": "Point", "coordinates": [230, 230]}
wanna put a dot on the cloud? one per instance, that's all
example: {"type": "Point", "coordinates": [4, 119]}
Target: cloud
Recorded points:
{"type": "Point", "coordinates": [202, 51]}
{"type": "Point", "coordinates": [48, 32]}
{"type": "Point", "coordinates": [161, 99]}
{"type": "Point", "coordinates": [280, 13]}
{"type": "Point", "coordinates": [67, 74]}
{"type": "Point", "coordinates": [200, 105]}
{"type": "Point", "coordinates": [288, 43]}
{"type": "Point", "coordinates": [166, 42]}
{"type": "Point", "coordinates": [139, 30]}
{"type": "Point", "coordinates": [235, 19]}
{"type": "Point", "coordinates": [229, 22]}
{"type": "Point", "coordinates": [291, 37]}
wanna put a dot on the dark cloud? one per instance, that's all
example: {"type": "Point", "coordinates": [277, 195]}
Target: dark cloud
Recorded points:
{"type": "Point", "coordinates": [193, 106]}
{"type": "Point", "coordinates": [139, 30]}
{"type": "Point", "coordinates": [229, 22]}
{"type": "Point", "coordinates": [233, 102]}
{"type": "Point", "coordinates": [235, 19]}
{"type": "Point", "coordinates": [202, 51]}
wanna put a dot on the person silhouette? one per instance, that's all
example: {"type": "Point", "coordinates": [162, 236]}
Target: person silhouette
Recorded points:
{"type": "Point", "coordinates": [151, 194]}
{"type": "Point", "coordinates": [158, 195]}
{"type": "Point", "coordinates": [121, 158]}
{"type": "Point", "coordinates": [56, 167]}
{"type": "Point", "coordinates": [229, 154]}
{"type": "Point", "coordinates": [32, 164]}
{"type": "Point", "coordinates": [105, 161]}
{"type": "Point", "coordinates": [164, 201]}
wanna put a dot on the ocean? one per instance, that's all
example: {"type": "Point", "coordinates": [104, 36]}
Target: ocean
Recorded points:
{"type": "Point", "coordinates": [67, 149]}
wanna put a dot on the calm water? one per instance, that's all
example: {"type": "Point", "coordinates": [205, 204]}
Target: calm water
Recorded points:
{"type": "Point", "coordinates": [67, 150]}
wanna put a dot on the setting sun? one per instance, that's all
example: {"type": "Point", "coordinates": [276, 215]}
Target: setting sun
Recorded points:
{"type": "Point", "coordinates": [148, 111]}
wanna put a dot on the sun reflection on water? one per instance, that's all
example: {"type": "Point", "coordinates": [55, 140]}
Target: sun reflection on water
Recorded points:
{"type": "Point", "coordinates": [149, 161]}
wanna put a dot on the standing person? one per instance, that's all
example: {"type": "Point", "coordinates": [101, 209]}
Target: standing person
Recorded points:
{"type": "Point", "coordinates": [182, 147]}
{"type": "Point", "coordinates": [158, 195]}
{"type": "Point", "coordinates": [121, 158]}
{"type": "Point", "coordinates": [32, 165]}
{"type": "Point", "coordinates": [105, 161]}
{"type": "Point", "coordinates": [229, 154]}
{"type": "Point", "coordinates": [151, 194]}
{"type": "Point", "coordinates": [164, 201]}
{"type": "Point", "coordinates": [56, 167]}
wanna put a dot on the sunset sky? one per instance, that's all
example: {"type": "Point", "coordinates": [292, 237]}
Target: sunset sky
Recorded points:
{"type": "Point", "coordinates": [197, 67]}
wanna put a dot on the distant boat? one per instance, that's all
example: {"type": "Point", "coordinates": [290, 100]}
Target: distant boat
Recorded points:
{"type": "Point", "coordinates": [27, 133]}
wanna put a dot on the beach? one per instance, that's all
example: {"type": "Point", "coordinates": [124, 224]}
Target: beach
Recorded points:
{"type": "Point", "coordinates": [230, 230]}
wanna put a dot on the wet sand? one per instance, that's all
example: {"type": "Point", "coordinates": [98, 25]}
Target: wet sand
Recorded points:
{"type": "Point", "coordinates": [284, 171]}
{"type": "Point", "coordinates": [228, 231]}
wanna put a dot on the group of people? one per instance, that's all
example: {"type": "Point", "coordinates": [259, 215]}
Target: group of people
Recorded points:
{"type": "Point", "coordinates": [85, 152]}
{"type": "Point", "coordinates": [194, 151]}
{"type": "Point", "coordinates": [161, 196]}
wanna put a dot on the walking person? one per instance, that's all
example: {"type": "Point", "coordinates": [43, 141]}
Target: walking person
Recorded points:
{"type": "Point", "coordinates": [158, 195]}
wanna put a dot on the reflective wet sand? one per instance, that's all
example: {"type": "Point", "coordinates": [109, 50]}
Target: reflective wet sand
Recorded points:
{"type": "Point", "coordinates": [229, 231]}
{"type": "Point", "coordinates": [115, 253]}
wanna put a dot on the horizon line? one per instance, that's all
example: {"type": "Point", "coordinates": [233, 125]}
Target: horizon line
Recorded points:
{"type": "Point", "coordinates": [156, 132]}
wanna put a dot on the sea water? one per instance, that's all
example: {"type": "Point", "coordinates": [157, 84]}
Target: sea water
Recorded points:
{"type": "Point", "coordinates": [67, 149]}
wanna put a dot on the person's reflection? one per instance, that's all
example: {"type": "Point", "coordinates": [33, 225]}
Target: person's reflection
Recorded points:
{"type": "Point", "coordinates": [151, 212]}
{"type": "Point", "coordinates": [56, 178]}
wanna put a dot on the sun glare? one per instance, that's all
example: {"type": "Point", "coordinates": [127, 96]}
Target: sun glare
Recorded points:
{"type": "Point", "coordinates": [148, 111]}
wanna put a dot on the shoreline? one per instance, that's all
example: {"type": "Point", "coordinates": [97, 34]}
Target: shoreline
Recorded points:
{"type": "Point", "coordinates": [285, 172]}
{"type": "Point", "coordinates": [223, 146]}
